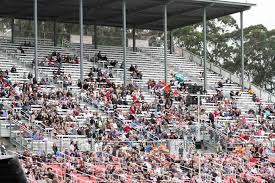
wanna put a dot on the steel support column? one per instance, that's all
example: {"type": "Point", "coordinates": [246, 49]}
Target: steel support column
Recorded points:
{"type": "Point", "coordinates": [171, 42]}
{"type": "Point", "coordinates": [12, 30]}
{"type": "Point", "coordinates": [134, 38]}
{"type": "Point", "coordinates": [165, 40]}
{"type": "Point", "coordinates": [81, 39]}
{"type": "Point", "coordinates": [205, 48]}
{"type": "Point", "coordinates": [95, 36]}
{"type": "Point", "coordinates": [54, 33]}
{"type": "Point", "coordinates": [35, 40]}
{"type": "Point", "coordinates": [124, 38]}
{"type": "Point", "coordinates": [242, 49]}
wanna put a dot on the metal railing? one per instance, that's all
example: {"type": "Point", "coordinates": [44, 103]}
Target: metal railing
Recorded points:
{"type": "Point", "coordinates": [267, 96]}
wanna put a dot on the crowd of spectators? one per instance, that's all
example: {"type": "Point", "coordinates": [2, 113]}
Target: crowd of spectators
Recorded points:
{"type": "Point", "coordinates": [127, 131]}
{"type": "Point", "coordinates": [142, 116]}
{"type": "Point", "coordinates": [56, 59]}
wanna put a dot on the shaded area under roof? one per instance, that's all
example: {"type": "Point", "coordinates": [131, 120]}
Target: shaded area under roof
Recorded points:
{"type": "Point", "coordinates": [144, 14]}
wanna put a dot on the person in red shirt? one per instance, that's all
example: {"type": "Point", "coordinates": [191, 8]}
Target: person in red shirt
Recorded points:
{"type": "Point", "coordinates": [132, 110]}
{"type": "Point", "coordinates": [244, 137]}
{"type": "Point", "coordinates": [127, 129]}
{"type": "Point", "coordinates": [134, 98]}
{"type": "Point", "coordinates": [216, 114]}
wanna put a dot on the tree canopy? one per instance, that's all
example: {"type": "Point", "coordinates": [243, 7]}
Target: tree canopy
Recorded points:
{"type": "Point", "coordinates": [224, 47]}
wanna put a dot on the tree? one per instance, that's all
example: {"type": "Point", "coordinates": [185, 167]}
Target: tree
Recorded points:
{"type": "Point", "coordinates": [218, 39]}
{"type": "Point", "coordinates": [224, 47]}
{"type": "Point", "coordinates": [4, 24]}
{"type": "Point", "coordinates": [259, 51]}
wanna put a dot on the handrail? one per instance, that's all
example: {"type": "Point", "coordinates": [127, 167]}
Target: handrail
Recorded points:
{"type": "Point", "coordinates": [225, 73]}
{"type": "Point", "coordinates": [215, 130]}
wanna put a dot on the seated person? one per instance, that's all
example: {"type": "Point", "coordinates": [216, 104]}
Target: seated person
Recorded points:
{"type": "Point", "coordinates": [6, 74]}
{"type": "Point", "coordinates": [122, 65]}
{"type": "Point", "coordinates": [13, 69]}
{"type": "Point", "coordinates": [104, 58]}
{"type": "Point", "coordinates": [77, 60]}
{"type": "Point", "coordinates": [220, 84]}
{"type": "Point", "coordinates": [99, 56]}
{"type": "Point", "coordinates": [21, 49]}
{"type": "Point", "coordinates": [58, 72]}
{"type": "Point", "coordinates": [136, 67]}
{"type": "Point", "coordinates": [250, 91]}
{"type": "Point", "coordinates": [30, 76]}
{"type": "Point", "coordinates": [54, 54]}
{"type": "Point", "coordinates": [139, 74]}
{"type": "Point", "coordinates": [51, 61]}
{"type": "Point", "coordinates": [29, 44]}
{"type": "Point", "coordinates": [254, 98]}
{"type": "Point", "coordinates": [113, 63]}
{"type": "Point", "coordinates": [132, 68]}
{"type": "Point", "coordinates": [232, 94]}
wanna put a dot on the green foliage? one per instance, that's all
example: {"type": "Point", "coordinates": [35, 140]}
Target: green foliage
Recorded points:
{"type": "Point", "coordinates": [4, 24]}
{"type": "Point", "coordinates": [259, 49]}
{"type": "Point", "coordinates": [224, 47]}
{"type": "Point", "coordinates": [218, 37]}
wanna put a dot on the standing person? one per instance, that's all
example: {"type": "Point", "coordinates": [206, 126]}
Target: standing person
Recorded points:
{"type": "Point", "coordinates": [55, 149]}
{"type": "Point", "coordinates": [3, 149]}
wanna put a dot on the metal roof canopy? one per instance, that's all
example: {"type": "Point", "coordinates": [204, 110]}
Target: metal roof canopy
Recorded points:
{"type": "Point", "coordinates": [144, 14]}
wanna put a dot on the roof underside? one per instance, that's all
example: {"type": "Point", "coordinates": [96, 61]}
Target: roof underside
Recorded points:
{"type": "Point", "coordinates": [144, 14]}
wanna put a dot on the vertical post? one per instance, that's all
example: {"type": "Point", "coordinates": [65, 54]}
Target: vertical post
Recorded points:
{"type": "Point", "coordinates": [95, 36]}
{"type": "Point", "coordinates": [12, 30]}
{"type": "Point", "coordinates": [21, 142]}
{"type": "Point", "coordinates": [134, 38]}
{"type": "Point", "coordinates": [171, 42]}
{"type": "Point", "coordinates": [54, 33]}
{"type": "Point", "coordinates": [200, 180]}
{"type": "Point", "coordinates": [124, 38]}
{"type": "Point", "coordinates": [242, 49]}
{"type": "Point", "coordinates": [205, 48]}
{"type": "Point", "coordinates": [1, 129]}
{"type": "Point", "coordinates": [81, 38]}
{"type": "Point", "coordinates": [35, 40]}
{"type": "Point", "coordinates": [199, 121]}
{"type": "Point", "coordinates": [165, 41]}
{"type": "Point", "coordinates": [10, 128]}
{"type": "Point", "coordinates": [46, 146]}
{"type": "Point", "coordinates": [61, 143]}
{"type": "Point", "coordinates": [32, 144]}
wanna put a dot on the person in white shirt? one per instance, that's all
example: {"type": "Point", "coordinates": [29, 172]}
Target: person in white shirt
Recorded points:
{"type": "Point", "coordinates": [218, 179]}
{"type": "Point", "coordinates": [72, 146]}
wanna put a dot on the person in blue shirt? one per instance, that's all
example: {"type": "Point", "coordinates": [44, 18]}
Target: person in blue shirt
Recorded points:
{"type": "Point", "coordinates": [148, 149]}
{"type": "Point", "coordinates": [134, 124]}
{"type": "Point", "coordinates": [5, 114]}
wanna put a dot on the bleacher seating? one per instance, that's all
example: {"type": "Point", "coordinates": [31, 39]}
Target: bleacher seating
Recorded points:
{"type": "Point", "coordinates": [132, 131]}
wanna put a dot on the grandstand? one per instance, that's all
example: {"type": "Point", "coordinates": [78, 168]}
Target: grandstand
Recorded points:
{"type": "Point", "coordinates": [148, 115]}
